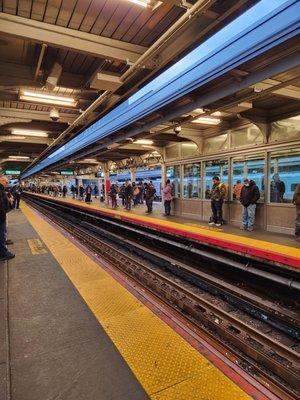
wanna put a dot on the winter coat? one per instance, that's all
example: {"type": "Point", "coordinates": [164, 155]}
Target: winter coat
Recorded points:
{"type": "Point", "coordinates": [5, 206]}
{"type": "Point", "coordinates": [128, 191]}
{"type": "Point", "coordinates": [296, 197]}
{"type": "Point", "coordinates": [218, 192]}
{"type": "Point", "coordinates": [249, 194]}
{"type": "Point", "coordinates": [167, 192]}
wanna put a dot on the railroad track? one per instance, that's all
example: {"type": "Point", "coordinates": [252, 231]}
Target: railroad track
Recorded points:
{"type": "Point", "coordinates": [266, 349]}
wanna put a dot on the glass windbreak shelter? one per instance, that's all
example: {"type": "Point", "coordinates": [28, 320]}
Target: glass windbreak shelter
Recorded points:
{"type": "Point", "coordinates": [284, 175]}
{"type": "Point", "coordinates": [192, 181]}
{"type": "Point", "coordinates": [173, 173]}
{"type": "Point", "coordinates": [215, 168]}
{"type": "Point", "coordinates": [251, 168]}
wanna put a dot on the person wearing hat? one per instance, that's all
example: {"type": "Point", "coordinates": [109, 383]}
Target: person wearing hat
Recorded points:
{"type": "Point", "coordinates": [249, 196]}
{"type": "Point", "coordinates": [217, 196]}
{"type": "Point", "coordinates": [5, 207]}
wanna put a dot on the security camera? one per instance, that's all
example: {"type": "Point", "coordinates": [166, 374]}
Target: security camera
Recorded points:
{"type": "Point", "coordinates": [54, 114]}
{"type": "Point", "coordinates": [177, 129]}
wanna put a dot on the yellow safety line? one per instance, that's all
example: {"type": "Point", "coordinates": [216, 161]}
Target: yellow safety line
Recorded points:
{"type": "Point", "coordinates": [165, 364]}
{"type": "Point", "coordinates": [230, 237]}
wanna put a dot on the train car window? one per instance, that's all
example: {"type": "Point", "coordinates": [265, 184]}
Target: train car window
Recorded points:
{"type": "Point", "coordinates": [214, 168]}
{"type": "Point", "coordinates": [284, 174]}
{"type": "Point", "coordinates": [192, 181]}
{"type": "Point", "coordinates": [251, 168]}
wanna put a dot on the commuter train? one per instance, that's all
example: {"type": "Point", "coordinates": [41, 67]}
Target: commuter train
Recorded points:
{"type": "Point", "coordinates": [142, 175]}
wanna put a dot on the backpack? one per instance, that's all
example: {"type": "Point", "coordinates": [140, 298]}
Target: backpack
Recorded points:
{"type": "Point", "coordinates": [224, 188]}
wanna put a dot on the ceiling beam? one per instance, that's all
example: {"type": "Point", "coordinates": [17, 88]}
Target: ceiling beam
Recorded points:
{"type": "Point", "coordinates": [35, 115]}
{"type": "Point", "coordinates": [17, 75]}
{"type": "Point", "coordinates": [70, 39]}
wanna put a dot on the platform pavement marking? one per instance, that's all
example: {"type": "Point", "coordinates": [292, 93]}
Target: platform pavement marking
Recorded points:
{"type": "Point", "coordinates": [165, 364]}
{"type": "Point", "coordinates": [36, 247]}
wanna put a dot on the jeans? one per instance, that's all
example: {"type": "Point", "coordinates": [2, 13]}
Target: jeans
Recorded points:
{"type": "Point", "coordinates": [248, 215]}
{"type": "Point", "coordinates": [217, 215]}
{"type": "Point", "coordinates": [167, 205]}
{"type": "Point", "coordinates": [297, 222]}
{"type": "Point", "coordinates": [3, 248]}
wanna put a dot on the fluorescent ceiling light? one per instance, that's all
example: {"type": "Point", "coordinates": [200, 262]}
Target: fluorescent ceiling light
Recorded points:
{"type": "Point", "coordinates": [26, 132]}
{"type": "Point", "coordinates": [198, 111]}
{"type": "Point", "coordinates": [88, 160]}
{"type": "Point", "coordinates": [207, 121]}
{"type": "Point", "coordinates": [47, 98]}
{"type": "Point", "coordinates": [17, 137]}
{"type": "Point", "coordinates": [143, 3]}
{"type": "Point", "coordinates": [143, 141]}
{"type": "Point", "coordinates": [297, 117]}
{"type": "Point", "coordinates": [18, 157]}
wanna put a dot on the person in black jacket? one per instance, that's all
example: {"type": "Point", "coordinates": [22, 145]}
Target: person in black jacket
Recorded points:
{"type": "Point", "coordinates": [4, 208]}
{"type": "Point", "coordinates": [249, 197]}
{"type": "Point", "coordinates": [128, 193]}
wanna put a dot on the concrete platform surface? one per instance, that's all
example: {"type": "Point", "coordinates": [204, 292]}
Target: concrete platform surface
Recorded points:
{"type": "Point", "coordinates": [58, 350]}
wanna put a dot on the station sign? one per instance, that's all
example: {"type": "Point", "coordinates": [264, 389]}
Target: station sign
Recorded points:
{"type": "Point", "coordinates": [67, 173]}
{"type": "Point", "coordinates": [12, 172]}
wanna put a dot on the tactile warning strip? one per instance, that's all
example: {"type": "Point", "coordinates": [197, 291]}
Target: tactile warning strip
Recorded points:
{"type": "Point", "coordinates": [165, 364]}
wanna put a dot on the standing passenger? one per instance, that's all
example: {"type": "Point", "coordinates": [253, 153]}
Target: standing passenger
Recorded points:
{"type": "Point", "coordinates": [237, 190]}
{"type": "Point", "coordinates": [81, 192]}
{"type": "Point", "coordinates": [96, 191]}
{"type": "Point", "coordinates": [113, 195]}
{"type": "Point", "coordinates": [167, 196]}
{"type": "Point", "coordinates": [17, 191]}
{"type": "Point", "coordinates": [296, 201]}
{"type": "Point", "coordinates": [249, 197]}
{"type": "Point", "coordinates": [65, 190]}
{"type": "Point", "coordinates": [88, 194]}
{"type": "Point", "coordinates": [149, 197]}
{"type": "Point", "coordinates": [128, 195]}
{"type": "Point", "coordinates": [217, 196]}
{"type": "Point", "coordinates": [5, 207]}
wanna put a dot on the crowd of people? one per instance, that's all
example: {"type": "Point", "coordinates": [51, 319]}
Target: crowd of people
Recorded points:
{"type": "Point", "coordinates": [9, 200]}
{"type": "Point", "coordinates": [136, 193]}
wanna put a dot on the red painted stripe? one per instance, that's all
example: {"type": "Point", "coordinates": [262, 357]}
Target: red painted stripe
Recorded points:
{"type": "Point", "coordinates": [223, 243]}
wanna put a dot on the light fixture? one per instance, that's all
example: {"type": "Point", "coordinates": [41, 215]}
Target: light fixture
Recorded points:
{"type": "Point", "coordinates": [17, 137]}
{"type": "Point", "coordinates": [297, 118]}
{"type": "Point", "coordinates": [26, 132]}
{"type": "Point", "coordinates": [47, 98]}
{"type": "Point", "coordinates": [18, 157]}
{"type": "Point", "coordinates": [143, 141]}
{"type": "Point", "coordinates": [143, 3]}
{"type": "Point", "coordinates": [198, 111]}
{"type": "Point", "coordinates": [207, 121]}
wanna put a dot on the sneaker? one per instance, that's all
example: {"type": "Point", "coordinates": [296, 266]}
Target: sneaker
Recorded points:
{"type": "Point", "coordinates": [243, 227]}
{"type": "Point", "coordinates": [250, 228]}
{"type": "Point", "coordinates": [218, 224]}
{"type": "Point", "coordinates": [9, 242]}
{"type": "Point", "coordinates": [7, 256]}
{"type": "Point", "coordinates": [211, 223]}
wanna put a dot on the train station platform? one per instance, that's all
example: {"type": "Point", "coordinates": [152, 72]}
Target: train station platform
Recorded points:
{"type": "Point", "coordinates": [71, 329]}
{"type": "Point", "coordinates": [274, 247]}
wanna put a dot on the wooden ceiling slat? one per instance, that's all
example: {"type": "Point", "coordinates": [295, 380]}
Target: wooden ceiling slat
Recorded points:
{"type": "Point", "coordinates": [38, 9]}
{"type": "Point", "coordinates": [52, 11]}
{"type": "Point", "coordinates": [137, 25]}
{"type": "Point", "coordinates": [67, 64]}
{"type": "Point", "coordinates": [66, 12]}
{"type": "Point", "coordinates": [92, 15]}
{"type": "Point", "coordinates": [24, 7]}
{"type": "Point", "coordinates": [81, 9]}
{"type": "Point", "coordinates": [10, 6]}
{"type": "Point", "coordinates": [105, 15]}
{"type": "Point", "coordinates": [115, 20]}
{"type": "Point", "coordinates": [153, 22]}
{"type": "Point", "coordinates": [129, 19]}
{"type": "Point", "coordinates": [148, 38]}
